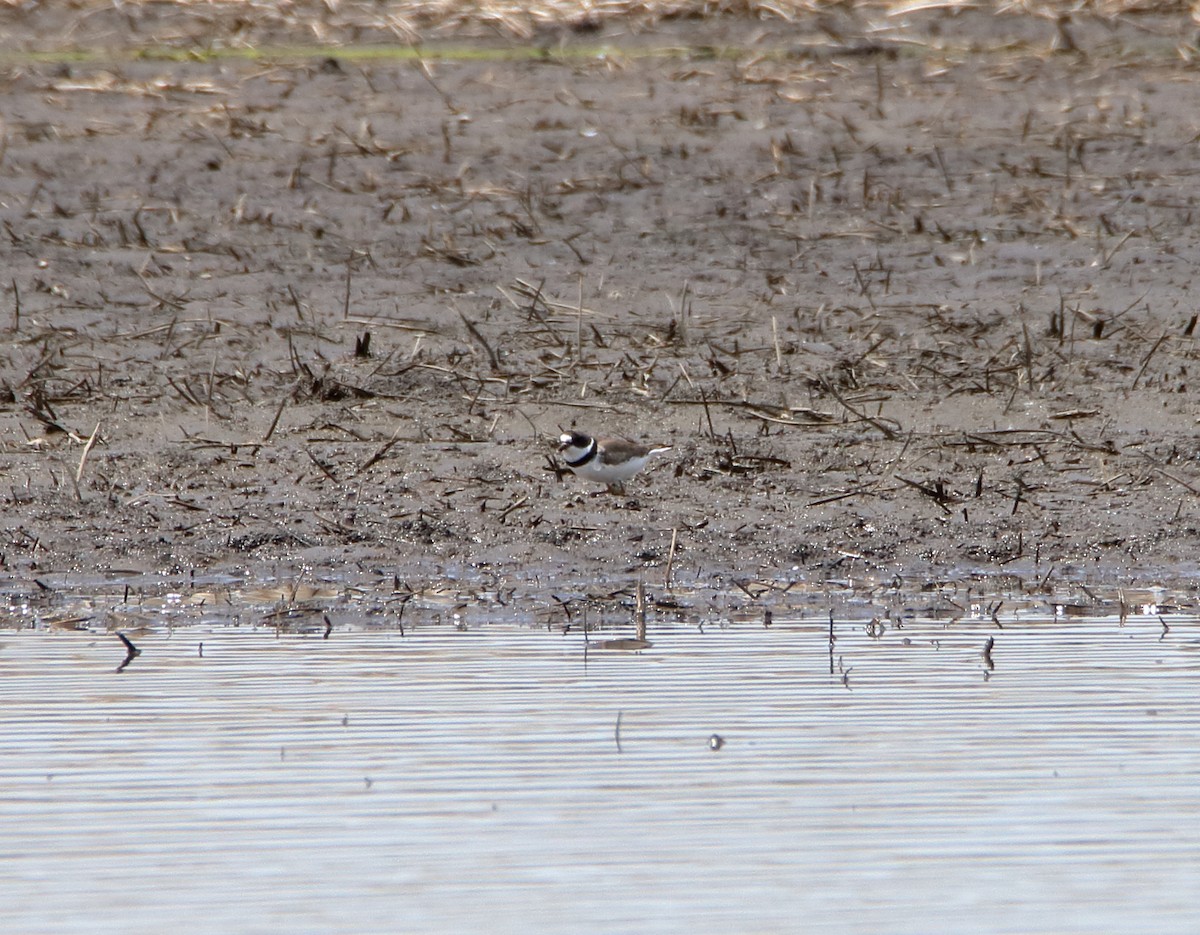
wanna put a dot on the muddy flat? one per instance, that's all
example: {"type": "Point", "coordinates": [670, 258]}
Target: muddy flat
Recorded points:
{"type": "Point", "coordinates": [910, 296]}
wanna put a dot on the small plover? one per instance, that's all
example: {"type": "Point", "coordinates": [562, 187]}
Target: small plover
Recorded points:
{"type": "Point", "coordinates": [610, 461]}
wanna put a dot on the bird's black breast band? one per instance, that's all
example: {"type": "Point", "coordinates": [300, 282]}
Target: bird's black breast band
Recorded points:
{"type": "Point", "coordinates": [587, 456]}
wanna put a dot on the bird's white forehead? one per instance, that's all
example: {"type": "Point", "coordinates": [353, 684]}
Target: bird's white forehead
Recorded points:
{"type": "Point", "coordinates": [564, 438]}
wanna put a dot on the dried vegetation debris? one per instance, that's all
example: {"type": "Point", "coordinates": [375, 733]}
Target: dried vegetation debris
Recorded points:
{"type": "Point", "coordinates": [896, 314]}
{"type": "Point", "coordinates": [249, 23]}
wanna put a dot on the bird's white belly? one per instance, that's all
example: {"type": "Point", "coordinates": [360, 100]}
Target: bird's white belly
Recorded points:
{"type": "Point", "coordinates": [610, 473]}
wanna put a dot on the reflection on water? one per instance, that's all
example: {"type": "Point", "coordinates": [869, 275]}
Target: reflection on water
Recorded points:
{"type": "Point", "coordinates": [240, 780]}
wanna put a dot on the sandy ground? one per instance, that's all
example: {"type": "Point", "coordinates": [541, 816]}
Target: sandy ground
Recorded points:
{"type": "Point", "coordinates": [916, 310]}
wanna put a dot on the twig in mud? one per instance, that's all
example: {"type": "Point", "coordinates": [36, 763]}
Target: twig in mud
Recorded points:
{"type": "Point", "coordinates": [536, 295]}
{"type": "Point", "coordinates": [639, 166]}
{"type": "Point", "coordinates": [515, 505]}
{"type": "Point", "coordinates": [674, 384]}
{"type": "Point", "coordinates": [946, 177]}
{"type": "Point", "coordinates": [1127, 309]}
{"type": "Point", "coordinates": [1178, 480]}
{"type": "Point", "coordinates": [1027, 351]}
{"type": "Point", "coordinates": [879, 88]}
{"type": "Point", "coordinates": [989, 664]}
{"type": "Point", "coordinates": [86, 451]}
{"type": "Point", "coordinates": [579, 327]}
{"type": "Point", "coordinates": [331, 164]}
{"type": "Point", "coordinates": [1106, 258]}
{"type": "Point", "coordinates": [275, 421]}
{"type": "Point", "coordinates": [856, 492]}
{"type": "Point", "coordinates": [475, 333]}
{"type": "Point", "coordinates": [324, 468]}
{"type": "Point", "coordinates": [528, 421]}
{"type": "Point", "coordinates": [617, 731]}
{"type": "Point", "coordinates": [1068, 414]}
{"type": "Point", "coordinates": [16, 325]}
{"type": "Point", "coordinates": [744, 587]}
{"type": "Point", "coordinates": [184, 391]}
{"type": "Point", "coordinates": [212, 375]}
{"type": "Point", "coordinates": [1146, 359]}
{"type": "Point", "coordinates": [707, 414]}
{"type": "Point", "coordinates": [162, 300]}
{"type": "Point", "coordinates": [427, 74]}
{"type": "Point", "coordinates": [937, 493]}
{"type": "Point", "coordinates": [670, 560]}
{"type": "Point", "coordinates": [888, 433]}
{"type": "Point", "coordinates": [371, 461]}
{"type": "Point", "coordinates": [864, 286]}
{"type": "Point", "coordinates": [296, 303]}
{"type": "Point", "coordinates": [818, 419]}
{"type": "Point", "coordinates": [1071, 438]}
{"type": "Point", "coordinates": [895, 462]}
{"type": "Point", "coordinates": [869, 351]}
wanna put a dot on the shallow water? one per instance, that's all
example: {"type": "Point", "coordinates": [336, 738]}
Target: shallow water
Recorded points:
{"type": "Point", "coordinates": [459, 781]}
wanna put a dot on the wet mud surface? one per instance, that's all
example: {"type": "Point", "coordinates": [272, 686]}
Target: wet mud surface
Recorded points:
{"type": "Point", "coordinates": [917, 313]}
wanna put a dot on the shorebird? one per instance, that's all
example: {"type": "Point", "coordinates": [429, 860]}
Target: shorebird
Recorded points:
{"type": "Point", "coordinates": [610, 461]}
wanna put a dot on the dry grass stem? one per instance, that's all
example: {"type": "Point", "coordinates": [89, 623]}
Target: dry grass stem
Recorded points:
{"type": "Point", "coordinates": [670, 560]}
{"type": "Point", "coordinates": [87, 449]}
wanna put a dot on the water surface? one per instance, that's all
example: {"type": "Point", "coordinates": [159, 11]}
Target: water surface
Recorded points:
{"type": "Point", "coordinates": [475, 780]}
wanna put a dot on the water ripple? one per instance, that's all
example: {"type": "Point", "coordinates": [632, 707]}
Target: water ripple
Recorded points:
{"type": "Point", "coordinates": [479, 781]}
